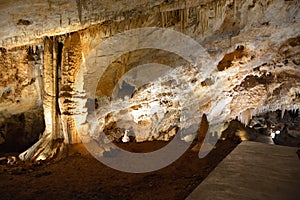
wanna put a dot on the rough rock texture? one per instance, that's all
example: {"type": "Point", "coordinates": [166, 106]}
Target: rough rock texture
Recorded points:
{"type": "Point", "coordinates": [21, 113]}
{"type": "Point", "coordinates": [285, 123]}
{"type": "Point", "coordinates": [254, 66]}
{"type": "Point", "coordinates": [20, 131]}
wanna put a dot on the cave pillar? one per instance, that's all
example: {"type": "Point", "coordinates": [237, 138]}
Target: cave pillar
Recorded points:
{"type": "Point", "coordinates": [69, 97]}
{"type": "Point", "coordinates": [61, 65]}
{"type": "Point", "coordinates": [50, 104]}
{"type": "Point", "coordinates": [62, 101]}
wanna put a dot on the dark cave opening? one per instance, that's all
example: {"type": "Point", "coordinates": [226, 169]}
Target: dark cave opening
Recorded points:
{"type": "Point", "coordinates": [21, 131]}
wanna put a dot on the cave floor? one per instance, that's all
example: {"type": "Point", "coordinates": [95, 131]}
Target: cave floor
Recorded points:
{"type": "Point", "coordinates": [81, 176]}
{"type": "Point", "coordinates": [253, 171]}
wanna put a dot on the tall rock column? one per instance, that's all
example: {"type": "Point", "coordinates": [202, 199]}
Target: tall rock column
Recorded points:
{"type": "Point", "coordinates": [51, 141]}
{"type": "Point", "coordinates": [50, 78]}
{"type": "Point", "coordinates": [68, 97]}
{"type": "Point", "coordinates": [62, 100]}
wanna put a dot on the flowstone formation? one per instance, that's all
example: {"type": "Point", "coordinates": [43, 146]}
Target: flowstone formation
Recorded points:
{"type": "Point", "coordinates": [241, 91]}
{"type": "Point", "coordinates": [155, 111]}
{"type": "Point", "coordinates": [254, 49]}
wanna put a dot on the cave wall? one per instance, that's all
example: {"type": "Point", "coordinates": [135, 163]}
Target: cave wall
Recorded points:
{"type": "Point", "coordinates": [21, 112]}
{"type": "Point", "coordinates": [43, 44]}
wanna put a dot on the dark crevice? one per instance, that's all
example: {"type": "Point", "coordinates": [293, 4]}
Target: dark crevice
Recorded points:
{"type": "Point", "coordinates": [228, 59]}
{"type": "Point", "coordinates": [58, 73]}
{"type": "Point", "coordinates": [21, 131]}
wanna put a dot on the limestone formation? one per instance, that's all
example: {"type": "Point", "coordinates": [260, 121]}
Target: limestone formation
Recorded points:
{"type": "Point", "coordinates": [254, 48]}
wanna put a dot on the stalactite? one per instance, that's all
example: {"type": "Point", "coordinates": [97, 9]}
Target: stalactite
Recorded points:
{"type": "Point", "coordinates": [263, 4]}
{"type": "Point", "coordinates": [40, 82]}
{"type": "Point", "coordinates": [186, 17]}
{"type": "Point", "coordinates": [110, 30]}
{"type": "Point", "coordinates": [79, 10]}
{"type": "Point", "coordinates": [197, 18]}
{"type": "Point", "coordinates": [273, 107]}
{"type": "Point", "coordinates": [202, 20]}
{"type": "Point", "coordinates": [162, 19]}
{"type": "Point", "coordinates": [282, 111]}
{"type": "Point", "coordinates": [182, 21]}
{"type": "Point", "coordinates": [166, 18]}
{"type": "Point", "coordinates": [220, 6]}
{"type": "Point", "coordinates": [234, 9]}
{"type": "Point", "coordinates": [216, 4]}
{"type": "Point", "coordinates": [246, 116]}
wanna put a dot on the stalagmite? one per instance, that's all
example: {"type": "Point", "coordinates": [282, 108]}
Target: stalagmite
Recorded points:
{"type": "Point", "coordinates": [11, 160]}
{"type": "Point", "coordinates": [125, 138]}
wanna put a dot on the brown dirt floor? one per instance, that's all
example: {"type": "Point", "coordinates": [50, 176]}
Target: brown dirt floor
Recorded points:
{"type": "Point", "coordinates": [81, 176]}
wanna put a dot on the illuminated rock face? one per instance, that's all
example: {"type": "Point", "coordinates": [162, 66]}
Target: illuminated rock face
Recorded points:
{"type": "Point", "coordinates": [155, 110]}
{"type": "Point", "coordinates": [254, 46]}
{"type": "Point", "coordinates": [21, 113]}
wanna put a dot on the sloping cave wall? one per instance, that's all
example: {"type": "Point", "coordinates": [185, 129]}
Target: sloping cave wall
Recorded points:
{"type": "Point", "coordinates": [21, 118]}
{"type": "Point", "coordinates": [44, 43]}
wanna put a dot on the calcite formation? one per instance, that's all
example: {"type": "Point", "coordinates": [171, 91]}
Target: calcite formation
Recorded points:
{"type": "Point", "coordinates": [254, 50]}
